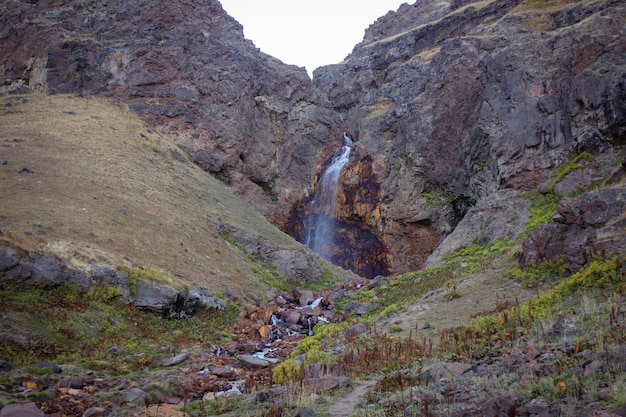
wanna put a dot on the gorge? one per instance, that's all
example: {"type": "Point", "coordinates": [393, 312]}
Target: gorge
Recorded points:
{"type": "Point", "coordinates": [170, 199]}
{"type": "Point", "coordinates": [440, 97]}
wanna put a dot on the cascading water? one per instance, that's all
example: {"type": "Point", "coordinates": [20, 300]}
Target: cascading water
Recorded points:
{"type": "Point", "coordinates": [319, 226]}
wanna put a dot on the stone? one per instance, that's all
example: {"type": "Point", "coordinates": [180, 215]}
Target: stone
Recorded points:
{"type": "Point", "coordinates": [336, 295]}
{"type": "Point", "coordinates": [291, 316]}
{"type": "Point", "coordinates": [114, 350]}
{"type": "Point", "coordinates": [537, 406]}
{"type": "Point", "coordinates": [136, 396]}
{"type": "Point", "coordinates": [50, 366]}
{"type": "Point", "coordinates": [21, 410]}
{"type": "Point", "coordinates": [363, 309]}
{"type": "Point", "coordinates": [5, 366]}
{"type": "Point", "coordinates": [221, 371]}
{"type": "Point", "coordinates": [592, 367]}
{"type": "Point", "coordinates": [175, 360]}
{"type": "Point", "coordinates": [271, 394]}
{"type": "Point", "coordinates": [165, 398]}
{"type": "Point", "coordinates": [309, 311]}
{"type": "Point", "coordinates": [253, 362]}
{"type": "Point", "coordinates": [306, 297]}
{"type": "Point", "coordinates": [376, 282]}
{"type": "Point", "coordinates": [306, 412]}
{"type": "Point", "coordinates": [354, 331]}
{"type": "Point", "coordinates": [445, 370]}
{"type": "Point", "coordinates": [8, 258]}
{"type": "Point", "coordinates": [602, 413]}
{"type": "Point", "coordinates": [94, 412]}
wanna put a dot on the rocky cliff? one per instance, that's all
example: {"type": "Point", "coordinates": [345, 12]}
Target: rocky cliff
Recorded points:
{"type": "Point", "coordinates": [461, 101]}
{"type": "Point", "coordinates": [458, 104]}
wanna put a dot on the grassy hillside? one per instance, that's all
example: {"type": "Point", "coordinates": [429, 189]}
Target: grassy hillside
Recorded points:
{"type": "Point", "coordinates": [87, 180]}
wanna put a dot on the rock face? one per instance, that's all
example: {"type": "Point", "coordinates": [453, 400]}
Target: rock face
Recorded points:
{"type": "Point", "coordinates": [450, 101]}
{"type": "Point", "coordinates": [588, 226]}
{"type": "Point", "coordinates": [45, 270]}
{"type": "Point", "coordinates": [459, 100]}
{"type": "Point", "coordinates": [358, 245]}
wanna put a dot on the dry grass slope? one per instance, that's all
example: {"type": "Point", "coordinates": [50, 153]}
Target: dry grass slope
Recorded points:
{"type": "Point", "coordinates": [105, 188]}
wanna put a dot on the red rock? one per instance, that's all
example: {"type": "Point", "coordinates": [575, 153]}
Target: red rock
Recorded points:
{"type": "Point", "coordinates": [221, 371]}
{"type": "Point", "coordinates": [292, 317]}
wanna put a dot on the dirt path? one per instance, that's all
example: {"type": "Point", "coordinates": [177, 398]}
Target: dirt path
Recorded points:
{"type": "Point", "coordinates": [345, 406]}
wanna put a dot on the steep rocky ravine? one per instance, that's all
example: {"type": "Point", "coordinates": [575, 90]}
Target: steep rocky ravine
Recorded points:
{"type": "Point", "coordinates": [456, 101]}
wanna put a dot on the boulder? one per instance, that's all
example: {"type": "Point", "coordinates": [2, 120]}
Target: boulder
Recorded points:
{"type": "Point", "coordinates": [445, 370]}
{"type": "Point", "coordinates": [136, 396]}
{"type": "Point", "coordinates": [175, 360]}
{"type": "Point", "coordinates": [253, 362]}
{"type": "Point", "coordinates": [21, 410]}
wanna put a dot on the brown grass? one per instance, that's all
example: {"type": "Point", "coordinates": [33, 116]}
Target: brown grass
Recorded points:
{"type": "Point", "coordinates": [105, 188]}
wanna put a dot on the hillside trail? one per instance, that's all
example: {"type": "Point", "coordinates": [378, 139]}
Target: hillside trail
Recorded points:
{"type": "Point", "coordinates": [446, 308]}
{"type": "Point", "coordinates": [442, 309]}
{"type": "Point", "coordinates": [346, 405]}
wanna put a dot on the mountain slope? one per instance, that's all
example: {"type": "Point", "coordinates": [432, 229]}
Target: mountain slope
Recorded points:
{"type": "Point", "coordinates": [87, 181]}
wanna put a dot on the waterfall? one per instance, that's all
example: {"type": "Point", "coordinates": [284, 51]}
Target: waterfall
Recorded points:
{"type": "Point", "coordinates": [319, 226]}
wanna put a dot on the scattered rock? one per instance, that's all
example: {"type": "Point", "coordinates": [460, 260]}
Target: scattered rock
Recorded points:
{"type": "Point", "coordinates": [26, 170]}
{"type": "Point", "coordinates": [166, 399]}
{"type": "Point", "coordinates": [603, 413]}
{"type": "Point", "coordinates": [3, 161]}
{"type": "Point", "coordinates": [221, 371]}
{"type": "Point", "coordinates": [377, 282]}
{"type": "Point", "coordinates": [537, 406]}
{"type": "Point", "coordinates": [335, 295]}
{"type": "Point", "coordinates": [306, 298]}
{"type": "Point", "coordinates": [363, 309]}
{"type": "Point", "coordinates": [233, 392]}
{"type": "Point", "coordinates": [5, 366]}
{"type": "Point", "coordinates": [445, 370]}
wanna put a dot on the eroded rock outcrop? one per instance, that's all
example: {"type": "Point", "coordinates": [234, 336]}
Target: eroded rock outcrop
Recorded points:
{"type": "Point", "coordinates": [30, 270]}
{"type": "Point", "coordinates": [588, 226]}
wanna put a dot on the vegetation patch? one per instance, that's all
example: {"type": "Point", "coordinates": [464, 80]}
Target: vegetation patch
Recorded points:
{"type": "Point", "coordinates": [542, 208]}
{"type": "Point", "coordinates": [533, 276]}
{"type": "Point", "coordinates": [77, 326]}
{"type": "Point", "coordinates": [572, 165]}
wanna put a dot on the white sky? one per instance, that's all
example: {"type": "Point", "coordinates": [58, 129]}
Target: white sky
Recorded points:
{"type": "Point", "coordinates": [308, 33]}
